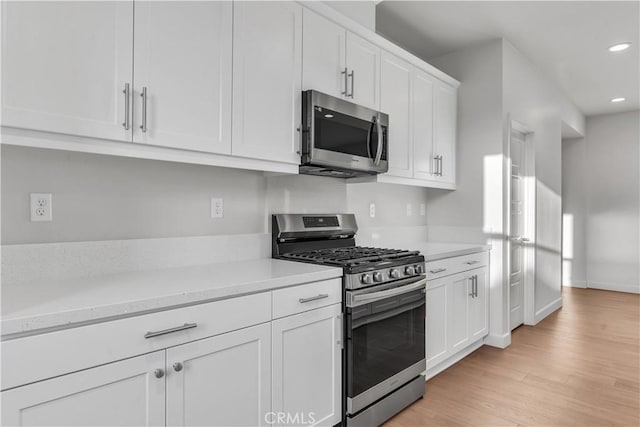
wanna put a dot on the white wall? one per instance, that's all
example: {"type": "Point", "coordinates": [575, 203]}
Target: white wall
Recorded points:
{"type": "Point", "coordinates": [112, 198]}
{"type": "Point", "coordinates": [612, 171]}
{"type": "Point", "coordinates": [574, 211]}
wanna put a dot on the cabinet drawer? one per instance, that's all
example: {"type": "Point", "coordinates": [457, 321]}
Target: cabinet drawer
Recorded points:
{"type": "Point", "coordinates": [34, 358]}
{"type": "Point", "coordinates": [449, 266]}
{"type": "Point", "coordinates": [306, 297]}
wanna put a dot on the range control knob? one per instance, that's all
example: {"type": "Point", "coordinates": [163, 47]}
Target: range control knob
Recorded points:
{"type": "Point", "coordinates": [419, 269]}
{"type": "Point", "coordinates": [366, 279]}
{"type": "Point", "coordinates": [394, 274]}
{"type": "Point", "coordinates": [377, 276]}
{"type": "Point", "coordinates": [409, 270]}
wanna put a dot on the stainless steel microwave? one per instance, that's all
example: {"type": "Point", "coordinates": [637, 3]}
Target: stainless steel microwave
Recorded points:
{"type": "Point", "coordinates": [342, 139]}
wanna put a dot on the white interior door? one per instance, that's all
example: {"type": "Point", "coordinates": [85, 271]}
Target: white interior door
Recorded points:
{"type": "Point", "coordinates": [125, 393]}
{"type": "Point", "coordinates": [183, 59]}
{"type": "Point", "coordinates": [65, 66]}
{"type": "Point", "coordinates": [517, 237]}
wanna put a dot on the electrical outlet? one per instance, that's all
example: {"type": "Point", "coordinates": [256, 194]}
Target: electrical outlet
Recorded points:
{"type": "Point", "coordinates": [372, 210]}
{"type": "Point", "coordinates": [423, 209]}
{"type": "Point", "coordinates": [41, 209]}
{"type": "Point", "coordinates": [217, 208]}
{"type": "Point", "coordinates": [409, 209]}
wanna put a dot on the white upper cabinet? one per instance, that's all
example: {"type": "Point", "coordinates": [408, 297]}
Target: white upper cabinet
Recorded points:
{"type": "Point", "coordinates": [395, 100]}
{"type": "Point", "coordinates": [445, 104]}
{"type": "Point", "coordinates": [267, 82]}
{"type": "Point", "coordinates": [183, 65]}
{"type": "Point", "coordinates": [423, 149]}
{"type": "Point", "coordinates": [65, 66]}
{"type": "Point", "coordinates": [125, 393]}
{"type": "Point", "coordinates": [323, 62]}
{"type": "Point", "coordinates": [363, 77]}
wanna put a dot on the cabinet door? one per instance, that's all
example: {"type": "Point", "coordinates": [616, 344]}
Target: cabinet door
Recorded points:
{"type": "Point", "coordinates": [323, 62]}
{"type": "Point", "coordinates": [363, 63]}
{"type": "Point", "coordinates": [125, 393]}
{"type": "Point", "coordinates": [221, 381]}
{"type": "Point", "coordinates": [65, 66]}
{"type": "Point", "coordinates": [183, 59]}
{"type": "Point", "coordinates": [267, 80]}
{"type": "Point", "coordinates": [458, 290]}
{"type": "Point", "coordinates": [479, 306]}
{"type": "Point", "coordinates": [436, 322]}
{"type": "Point", "coordinates": [445, 130]}
{"type": "Point", "coordinates": [395, 100]}
{"type": "Point", "coordinates": [307, 367]}
{"type": "Point", "coordinates": [422, 124]}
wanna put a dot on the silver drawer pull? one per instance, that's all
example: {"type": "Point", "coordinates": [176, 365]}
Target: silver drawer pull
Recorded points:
{"type": "Point", "coordinates": [170, 330]}
{"type": "Point", "coordinates": [437, 270]}
{"type": "Point", "coordinates": [472, 262]}
{"type": "Point", "coordinates": [317, 297]}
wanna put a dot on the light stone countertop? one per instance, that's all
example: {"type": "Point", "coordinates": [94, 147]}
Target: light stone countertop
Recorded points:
{"type": "Point", "coordinates": [45, 304]}
{"type": "Point", "coordinates": [433, 251]}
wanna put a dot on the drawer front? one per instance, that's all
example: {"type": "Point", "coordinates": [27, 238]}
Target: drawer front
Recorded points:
{"type": "Point", "coordinates": [449, 266]}
{"type": "Point", "coordinates": [301, 298]}
{"type": "Point", "coordinates": [34, 358]}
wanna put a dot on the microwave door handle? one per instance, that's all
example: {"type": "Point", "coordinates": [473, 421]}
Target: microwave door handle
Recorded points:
{"type": "Point", "coordinates": [369, 132]}
{"type": "Point", "coordinates": [380, 139]}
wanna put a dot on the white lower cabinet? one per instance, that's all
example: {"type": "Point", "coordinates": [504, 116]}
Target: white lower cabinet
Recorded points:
{"type": "Point", "coordinates": [257, 371]}
{"type": "Point", "coordinates": [457, 313]}
{"type": "Point", "coordinates": [307, 368]}
{"type": "Point", "coordinates": [221, 381]}
{"type": "Point", "coordinates": [125, 393]}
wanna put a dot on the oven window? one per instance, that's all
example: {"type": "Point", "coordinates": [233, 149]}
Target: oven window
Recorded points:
{"type": "Point", "coordinates": [384, 342]}
{"type": "Point", "coordinates": [341, 133]}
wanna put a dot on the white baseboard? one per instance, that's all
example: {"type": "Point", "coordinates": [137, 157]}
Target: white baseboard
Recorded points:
{"type": "Point", "coordinates": [547, 310]}
{"type": "Point", "coordinates": [500, 341]}
{"type": "Point", "coordinates": [618, 287]}
{"type": "Point", "coordinates": [576, 284]}
{"type": "Point", "coordinates": [430, 373]}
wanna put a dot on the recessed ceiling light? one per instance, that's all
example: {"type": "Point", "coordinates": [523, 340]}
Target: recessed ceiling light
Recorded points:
{"type": "Point", "coordinates": [620, 46]}
{"type": "Point", "coordinates": [328, 116]}
{"type": "Point", "coordinates": [617, 99]}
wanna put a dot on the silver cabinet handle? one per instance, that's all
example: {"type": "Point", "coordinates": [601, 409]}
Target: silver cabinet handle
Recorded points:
{"type": "Point", "coordinates": [475, 286]}
{"type": "Point", "coordinates": [440, 165]}
{"type": "Point", "coordinates": [471, 262]}
{"type": "Point", "coordinates": [435, 166]}
{"type": "Point", "coordinates": [177, 366]}
{"type": "Point", "coordinates": [345, 73]}
{"type": "Point", "coordinates": [473, 292]}
{"type": "Point", "coordinates": [340, 341]}
{"type": "Point", "coordinates": [159, 373]}
{"type": "Point", "coordinates": [317, 297]}
{"type": "Point", "coordinates": [437, 270]}
{"type": "Point", "coordinates": [170, 330]}
{"type": "Point", "coordinates": [353, 83]}
{"type": "Point", "coordinates": [439, 161]}
{"type": "Point", "coordinates": [143, 95]}
{"type": "Point", "coordinates": [380, 139]}
{"type": "Point", "coordinates": [126, 92]}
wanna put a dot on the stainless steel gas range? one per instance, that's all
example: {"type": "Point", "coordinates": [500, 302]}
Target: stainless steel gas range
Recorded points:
{"type": "Point", "coordinates": [384, 306]}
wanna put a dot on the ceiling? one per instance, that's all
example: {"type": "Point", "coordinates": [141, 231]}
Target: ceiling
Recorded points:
{"type": "Point", "coordinates": [567, 40]}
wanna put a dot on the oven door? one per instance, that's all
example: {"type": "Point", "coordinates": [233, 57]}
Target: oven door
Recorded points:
{"type": "Point", "coordinates": [385, 340]}
{"type": "Point", "coordinates": [340, 134]}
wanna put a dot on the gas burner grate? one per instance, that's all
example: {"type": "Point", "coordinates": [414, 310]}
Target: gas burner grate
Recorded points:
{"type": "Point", "coordinates": [349, 256]}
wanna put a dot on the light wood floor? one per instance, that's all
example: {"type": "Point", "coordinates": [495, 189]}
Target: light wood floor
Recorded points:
{"type": "Point", "coordinates": [579, 366]}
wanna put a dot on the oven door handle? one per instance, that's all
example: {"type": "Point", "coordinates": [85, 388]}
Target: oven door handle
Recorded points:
{"type": "Point", "coordinates": [375, 296]}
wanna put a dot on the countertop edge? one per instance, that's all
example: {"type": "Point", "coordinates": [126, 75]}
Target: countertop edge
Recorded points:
{"type": "Point", "coordinates": [457, 252]}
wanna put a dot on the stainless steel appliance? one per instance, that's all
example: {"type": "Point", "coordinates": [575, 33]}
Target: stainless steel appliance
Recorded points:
{"type": "Point", "coordinates": [342, 139]}
{"type": "Point", "coordinates": [384, 305]}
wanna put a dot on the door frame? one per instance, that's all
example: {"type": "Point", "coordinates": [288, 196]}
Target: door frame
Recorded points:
{"type": "Point", "coordinates": [529, 212]}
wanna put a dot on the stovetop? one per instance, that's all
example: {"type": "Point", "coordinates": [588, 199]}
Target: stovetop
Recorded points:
{"type": "Point", "coordinates": [350, 256]}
